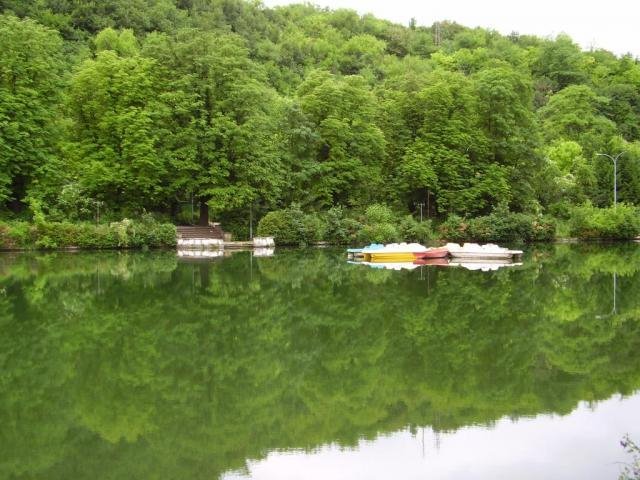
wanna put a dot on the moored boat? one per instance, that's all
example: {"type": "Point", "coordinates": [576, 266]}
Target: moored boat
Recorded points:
{"type": "Point", "coordinates": [359, 252]}
{"type": "Point", "coordinates": [394, 252]}
{"type": "Point", "coordinates": [436, 252]}
{"type": "Point", "coordinates": [488, 251]}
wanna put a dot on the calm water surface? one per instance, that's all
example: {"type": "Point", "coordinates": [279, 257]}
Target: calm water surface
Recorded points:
{"type": "Point", "coordinates": [301, 366]}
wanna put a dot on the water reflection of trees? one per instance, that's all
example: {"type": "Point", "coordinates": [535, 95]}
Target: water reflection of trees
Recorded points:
{"type": "Point", "coordinates": [117, 365]}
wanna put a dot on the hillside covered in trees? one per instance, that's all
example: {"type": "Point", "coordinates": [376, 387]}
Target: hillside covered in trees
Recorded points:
{"type": "Point", "coordinates": [158, 105]}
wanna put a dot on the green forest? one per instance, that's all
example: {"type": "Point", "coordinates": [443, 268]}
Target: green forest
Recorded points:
{"type": "Point", "coordinates": [198, 110]}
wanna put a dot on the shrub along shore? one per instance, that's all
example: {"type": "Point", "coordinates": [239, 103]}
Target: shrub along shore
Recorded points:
{"type": "Point", "coordinates": [380, 224]}
{"type": "Point", "coordinates": [141, 233]}
{"type": "Point", "coordinates": [337, 226]}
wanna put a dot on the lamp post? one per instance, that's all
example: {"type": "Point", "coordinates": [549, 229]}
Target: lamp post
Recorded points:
{"type": "Point", "coordinates": [615, 174]}
{"type": "Point", "coordinates": [419, 205]}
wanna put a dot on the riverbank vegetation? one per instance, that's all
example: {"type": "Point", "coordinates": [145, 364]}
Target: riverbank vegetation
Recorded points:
{"type": "Point", "coordinates": [228, 110]}
{"type": "Point", "coordinates": [142, 233]}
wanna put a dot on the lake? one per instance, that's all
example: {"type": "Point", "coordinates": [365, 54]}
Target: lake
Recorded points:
{"type": "Point", "coordinates": [302, 366]}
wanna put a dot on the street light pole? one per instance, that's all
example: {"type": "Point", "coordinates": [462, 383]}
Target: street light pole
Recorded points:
{"type": "Point", "coordinates": [615, 175]}
{"type": "Point", "coordinates": [420, 205]}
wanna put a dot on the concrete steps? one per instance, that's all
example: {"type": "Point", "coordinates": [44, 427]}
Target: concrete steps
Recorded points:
{"type": "Point", "coordinates": [200, 232]}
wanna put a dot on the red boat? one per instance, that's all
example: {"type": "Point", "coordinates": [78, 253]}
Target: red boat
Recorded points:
{"type": "Point", "coordinates": [439, 252]}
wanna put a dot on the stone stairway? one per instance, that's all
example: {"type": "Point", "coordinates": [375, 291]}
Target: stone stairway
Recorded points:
{"type": "Point", "coordinates": [199, 232]}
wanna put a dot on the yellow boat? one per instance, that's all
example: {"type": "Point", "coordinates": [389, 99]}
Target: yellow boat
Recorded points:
{"type": "Point", "coordinates": [394, 252]}
{"type": "Point", "coordinates": [390, 257]}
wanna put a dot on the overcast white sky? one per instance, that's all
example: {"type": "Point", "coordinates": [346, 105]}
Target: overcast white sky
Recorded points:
{"type": "Point", "coordinates": [612, 24]}
{"type": "Point", "coordinates": [582, 444]}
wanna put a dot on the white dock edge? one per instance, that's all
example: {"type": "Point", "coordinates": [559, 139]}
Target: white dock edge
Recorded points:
{"type": "Point", "coordinates": [200, 243]}
{"type": "Point", "coordinates": [263, 242]}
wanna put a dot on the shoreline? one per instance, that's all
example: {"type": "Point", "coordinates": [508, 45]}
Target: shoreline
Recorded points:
{"type": "Point", "coordinates": [249, 245]}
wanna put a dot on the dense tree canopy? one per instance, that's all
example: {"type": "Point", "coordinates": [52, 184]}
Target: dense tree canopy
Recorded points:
{"type": "Point", "coordinates": [146, 105]}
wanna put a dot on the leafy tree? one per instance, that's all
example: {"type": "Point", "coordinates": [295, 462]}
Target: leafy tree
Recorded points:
{"type": "Point", "coordinates": [123, 43]}
{"type": "Point", "coordinates": [568, 178]}
{"type": "Point", "coordinates": [114, 138]}
{"type": "Point", "coordinates": [573, 114]}
{"type": "Point", "coordinates": [360, 53]}
{"type": "Point", "coordinates": [350, 145]}
{"type": "Point", "coordinates": [31, 65]}
{"type": "Point", "coordinates": [559, 61]}
{"type": "Point", "coordinates": [505, 107]}
{"type": "Point", "coordinates": [227, 122]}
{"type": "Point", "coordinates": [449, 154]}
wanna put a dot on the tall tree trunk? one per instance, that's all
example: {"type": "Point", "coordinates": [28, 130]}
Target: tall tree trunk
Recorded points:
{"type": "Point", "coordinates": [204, 214]}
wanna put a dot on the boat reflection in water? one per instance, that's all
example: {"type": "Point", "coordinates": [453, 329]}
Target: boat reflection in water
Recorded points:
{"type": "Point", "coordinates": [388, 265]}
{"type": "Point", "coordinates": [405, 256]}
{"type": "Point", "coordinates": [483, 265]}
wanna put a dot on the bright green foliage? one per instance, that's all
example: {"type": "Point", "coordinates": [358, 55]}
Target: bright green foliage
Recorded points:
{"type": "Point", "coordinates": [123, 43]}
{"type": "Point", "coordinates": [30, 69]}
{"type": "Point", "coordinates": [340, 229]}
{"type": "Point", "coordinates": [378, 214]}
{"type": "Point", "coordinates": [619, 222]}
{"type": "Point", "coordinates": [291, 226]}
{"type": "Point", "coordinates": [628, 172]}
{"type": "Point", "coordinates": [378, 223]}
{"type": "Point", "coordinates": [127, 233]}
{"type": "Point", "coordinates": [567, 177]}
{"type": "Point", "coordinates": [222, 136]}
{"type": "Point", "coordinates": [349, 145]}
{"type": "Point", "coordinates": [560, 61]}
{"type": "Point", "coordinates": [573, 114]}
{"type": "Point", "coordinates": [619, 82]}
{"type": "Point", "coordinates": [452, 155]}
{"type": "Point", "coordinates": [499, 226]}
{"type": "Point", "coordinates": [412, 230]}
{"type": "Point", "coordinates": [151, 105]}
{"type": "Point", "coordinates": [505, 103]}
{"type": "Point", "coordinates": [79, 19]}
{"type": "Point", "coordinates": [378, 226]}
{"type": "Point", "coordinates": [361, 54]}
{"type": "Point", "coordinates": [114, 105]}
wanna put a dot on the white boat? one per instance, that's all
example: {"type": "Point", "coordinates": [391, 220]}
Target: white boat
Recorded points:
{"type": "Point", "coordinates": [488, 251]}
{"type": "Point", "coordinates": [359, 252]}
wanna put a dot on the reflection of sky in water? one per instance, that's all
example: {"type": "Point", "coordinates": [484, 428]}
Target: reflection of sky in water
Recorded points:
{"type": "Point", "coordinates": [582, 445]}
